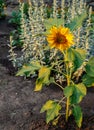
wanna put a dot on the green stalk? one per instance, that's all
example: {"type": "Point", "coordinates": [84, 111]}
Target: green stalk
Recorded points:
{"type": "Point", "coordinates": [67, 103]}
{"type": "Point", "coordinates": [68, 83]}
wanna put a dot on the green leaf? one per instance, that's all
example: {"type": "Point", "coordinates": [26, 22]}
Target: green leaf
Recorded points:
{"type": "Point", "coordinates": [52, 109]}
{"type": "Point", "coordinates": [77, 21]}
{"type": "Point", "coordinates": [71, 56]}
{"type": "Point", "coordinates": [82, 88]}
{"type": "Point", "coordinates": [89, 70]}
{"type": "Point", "coordinates": [52, 113]}
{"type": "Point", "coordinates": [38, 86]}
{"type": "Point", "coordinates": [77, 112]}
{"type": "Point", "coordinates": [76, 57]}
{"type": "Point", "coordinates": [91, 61]}
{"type": "Point", "coordinates": [88, 81]}
{"type": "Point", "coordinates": [82, 52]}
{"type": "Point", "coordinates": [28, 69]}
{"type": "Point", "coordinates": [68, 91]}
{"type": "Point", "coordinates": [53, 22]}
{"type": "Point", "coordinates": [78, 93]}
{"type": "Point", "coordinates": [44, 73]}
{"type": "Point", "coordinates": [79, 59]}
{"type": "Point", "coordinates": [90, 67]}
{"type": "Point", "coordinates": [48, 105]}
{"type": "Point", "coordinates": [43, 77]}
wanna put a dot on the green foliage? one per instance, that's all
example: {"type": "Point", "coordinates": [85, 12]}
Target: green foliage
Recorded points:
{"type": "Point", "coordinates": [77, 112]}
{"type": "Point", "coordinates": [29, 69]}
{"type": "Point", "coordinates": [77, 21]}
{"type": "Point", "coordinates": [88, 80]}
{"type": "Point", "coordinates": [77, 57]}
{"type": "Point", "coordinates": [2, 5]}
{"type": "Point", "coordinates": [68, 91]}
{"type": "Point", "coordinates": [78, 93]}
{"type": "Point", "coordinates": [16, 17]}
{"type": "Point", "coordinates": [53, 22]}
{"type": "Point", "coordinates": [43, 78]}
{"type": "Point", "coordinates": [90, 67]}
{"type": "Point", "coordinates": [48, 11]}
{"type": "Point", "coordinates": [75, 93]}
{"type": "Point", "coordinates": [52, 109]}
{"type": "Point", "coordinates": [92, 21]}
{"type": "Point", "coordinates": [17, 42]}
{"type": "Point", "coordinates": [16, 21]}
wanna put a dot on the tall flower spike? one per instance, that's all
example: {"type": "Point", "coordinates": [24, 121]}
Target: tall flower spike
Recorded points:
{"type": "Point", "coordinates": [54, 8]}
{"type": "Point", "coordinates": [13, 55]}
{"type": "Point", "coordinates": [73, 9]}
{"type": "Point", "coordinates": [62, 10]}
{"type": "Point", "coordinates": [81, 6]}
{"type": "Point", "coordinates": [87, 29]}
{"type": "Point", "coordinates": [78, 37]}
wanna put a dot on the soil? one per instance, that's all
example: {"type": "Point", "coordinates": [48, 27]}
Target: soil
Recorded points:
{"type": "Point", "coordinates": [20, 105]}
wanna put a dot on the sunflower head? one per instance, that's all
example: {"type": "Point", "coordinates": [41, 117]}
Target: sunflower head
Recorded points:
{"type": "Point", "coordinates": [60, 38]}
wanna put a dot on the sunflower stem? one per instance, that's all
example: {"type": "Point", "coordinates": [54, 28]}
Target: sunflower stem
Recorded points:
{"type": "Point", "coordinates": [67, 109]}
{"type": "Point", "coordinates": [68, 83]}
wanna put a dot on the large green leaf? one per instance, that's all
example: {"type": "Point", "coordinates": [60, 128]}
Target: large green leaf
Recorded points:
{"type": "Point", "coordinates": [43, 77]}
{"type": "Point", "coordinates": [68, 91]}
{"type": "Point", "coordinates": [90, 67]}
{"type": "Point", "coordinates": [88, 81]}
{"type": "Point", "coordinates": [49, 23]}
{"type": "Point", "coordinates": [52, 109]}
{"type": "Point", "coordinates": [79, 59]}
{"type": "Point", "coordinates": [77, 21]}
{"type": "Point", "coordinates": [78, 93]}
{"type": "Point", "coordinates": [77, 112]}
{"type": "Point", "coordinates": [70, 56]}
{"type": "Point", "coordinates": [76, 57]}
{"type": "Point", "coordinates": [48, 105]}
{"type": "Point", "coordinates": [28, 69]}
{"type": "Point", "coordinates": [82, 52]}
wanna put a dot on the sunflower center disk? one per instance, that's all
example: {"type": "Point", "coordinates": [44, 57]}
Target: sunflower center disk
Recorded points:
{"type": "Point", "coordinates": [60, 39]}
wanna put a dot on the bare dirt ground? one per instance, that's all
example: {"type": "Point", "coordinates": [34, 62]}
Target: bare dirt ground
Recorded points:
{"type": "Point", "coordinates": [20, 105]}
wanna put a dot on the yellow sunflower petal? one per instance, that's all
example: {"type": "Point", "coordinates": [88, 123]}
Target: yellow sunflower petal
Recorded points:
{"type": "Point", "coordinates": [60, 38]}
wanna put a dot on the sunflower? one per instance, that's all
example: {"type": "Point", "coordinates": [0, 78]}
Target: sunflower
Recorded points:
{"type": "Point", "coordinates": [60, 38]}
